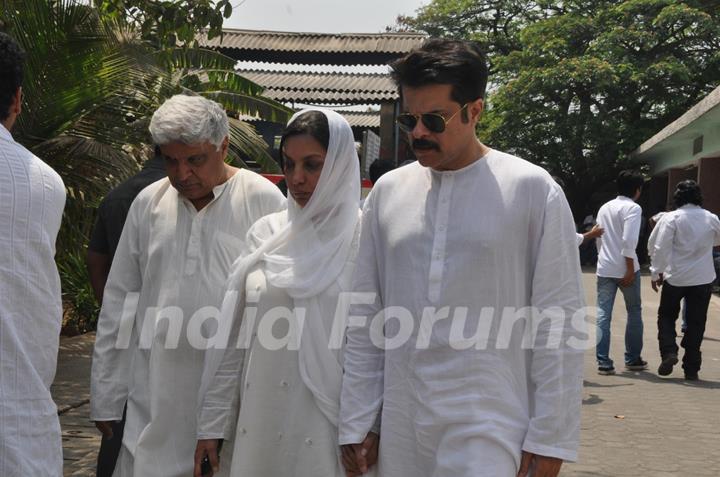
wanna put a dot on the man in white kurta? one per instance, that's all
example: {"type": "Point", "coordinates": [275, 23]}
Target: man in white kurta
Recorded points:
{"type": "Point", "coordinates": [32, 197]}
{"type": "Point", "coordinates": [449, 245]}
{"type": "Point", "coordinates": [174, 256]}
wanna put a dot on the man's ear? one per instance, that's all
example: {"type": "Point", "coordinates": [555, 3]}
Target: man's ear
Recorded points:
{"type": "Point", "coordinates": [224, 147]}
{"type": "Point", "coordinates": [475, 109]}
{"type": "Point", "coordinates": [16, 105]}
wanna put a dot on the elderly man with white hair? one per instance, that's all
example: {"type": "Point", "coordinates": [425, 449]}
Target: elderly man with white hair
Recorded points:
{"type": "Point", "coordinates": [168, 274]}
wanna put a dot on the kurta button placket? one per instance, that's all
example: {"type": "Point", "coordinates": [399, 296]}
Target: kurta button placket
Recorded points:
{"type": "Point", "coordinates": [437, 261]}
{"type": "Point", "coordinates": [193, 249]}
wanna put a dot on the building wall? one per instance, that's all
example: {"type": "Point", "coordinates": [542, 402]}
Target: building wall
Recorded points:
{"type": "Point", "coordinates": [709, 180]}
{"type": "Point", "coordinates": [675, 153]}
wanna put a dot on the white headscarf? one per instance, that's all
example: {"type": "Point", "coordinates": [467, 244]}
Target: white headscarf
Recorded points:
{"type": "Point", "coordinates": [305, 253]}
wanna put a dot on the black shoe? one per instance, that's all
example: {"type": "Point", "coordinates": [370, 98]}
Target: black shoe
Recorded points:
{"type": "Point", "coordinates": [637, 365]}
{"type": "Point", "coordinates": [691, 376]}
{"type": "Point", "coordinates": [667, 364]}
{"type": "Point", "coordinates": [606, 370]}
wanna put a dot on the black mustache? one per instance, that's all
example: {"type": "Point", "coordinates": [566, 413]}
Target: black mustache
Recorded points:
{"type": "Point", "coordinates": [425, 144]}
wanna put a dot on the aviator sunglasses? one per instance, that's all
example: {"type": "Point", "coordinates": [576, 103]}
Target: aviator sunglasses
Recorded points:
{"type": "Point", "coordinates": [434, 122]}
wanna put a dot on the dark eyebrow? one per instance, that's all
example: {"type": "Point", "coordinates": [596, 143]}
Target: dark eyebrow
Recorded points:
{"type": "Point", "coordinates": [432, 111]}
{"type": "Point", "coordinates": [313, 156]}
{"type": "Point", "coordinates": [305, 158]}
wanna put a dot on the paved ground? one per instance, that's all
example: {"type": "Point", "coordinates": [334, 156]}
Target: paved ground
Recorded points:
{"type": "Point", "coordinates": [633, 423]}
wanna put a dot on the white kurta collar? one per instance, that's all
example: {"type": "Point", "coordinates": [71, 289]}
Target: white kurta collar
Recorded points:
{"type": "Point", "coordinates": [4, 133]}
{"type": "Point", "coordinates": [465, 169]}
{"type": "Point", "coordinates": [217, 192]}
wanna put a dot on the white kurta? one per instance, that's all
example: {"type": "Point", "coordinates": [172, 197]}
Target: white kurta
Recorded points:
{"type": "Point", "coordinates": [280, 429]}
{"type": "Point", "coordinates": [681, 245]}
{"type": "Point", "coordinates": [178, 260]}
{"type": "Point", "coordinates": [497, 233]}
{"type": "Point", "coordinates": [32, 197]}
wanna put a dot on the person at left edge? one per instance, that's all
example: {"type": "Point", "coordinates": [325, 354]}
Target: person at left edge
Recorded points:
{"type": "Point", "coordinates": [32, 197]}
{"type": "Point", "coordinates": [180, 238]}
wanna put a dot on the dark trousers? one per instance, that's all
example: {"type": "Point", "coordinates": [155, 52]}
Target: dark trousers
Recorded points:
{"type": "Point", "coordinates": [697, 300]}
{"type": "Point", "coordinates": [110, 449]}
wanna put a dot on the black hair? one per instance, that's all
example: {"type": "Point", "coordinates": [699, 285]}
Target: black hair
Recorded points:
{"type": "Point", "coordinates": [12, 58]}
{"type": "Point", "coordinates": [380, 167]}
{"type": "Point", "coordinates": [687, 192]}
{"type": "Point", "coordinates": [313, 123]}
{"type": "Point", "coordinates": [458, 63]}
{"type": "Point", "coordinates": [628, 182]}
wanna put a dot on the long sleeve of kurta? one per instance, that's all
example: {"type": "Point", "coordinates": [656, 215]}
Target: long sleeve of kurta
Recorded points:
{"type": "Point", "coordinates": [112, 357]}
{"type": "Point", "coordinates": [362, 391]}
{"type": "Point", "coordinates": [660, 246]}
{"type": "Point", "coordinates": [631, 232]}
{"type": "Point", "coordinates": [223, 393]}
{"type": "Point", "coordinates": [556, 371]}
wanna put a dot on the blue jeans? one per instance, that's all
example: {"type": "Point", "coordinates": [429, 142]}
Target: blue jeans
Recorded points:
{"type": "Point", "coordinates": [606, 290]}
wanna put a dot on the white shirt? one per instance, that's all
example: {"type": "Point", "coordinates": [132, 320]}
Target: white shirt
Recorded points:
{"type": "Point", "coordinates": [497, 233]}
{"type": "Point", "coordinates": [32, 197]}
{"type": "Point", "coordinates": [621, 219]}
{"type": "Point", "coordinates": [681, 244]}
{"type": "Point", "coordinates": [177, 259]}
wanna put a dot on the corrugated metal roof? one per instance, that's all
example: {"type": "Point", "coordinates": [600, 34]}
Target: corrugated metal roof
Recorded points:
{"type": "Point", "coordinates": [356, 119]}
{"type": "Point", "coordinates": [362, 119]}
{"type": "Point", "coordinates": [324, 88]}
{"type": "Point", "coordinates": [398, 43]}
{"type": "Point", "coordinates": [313, 48]}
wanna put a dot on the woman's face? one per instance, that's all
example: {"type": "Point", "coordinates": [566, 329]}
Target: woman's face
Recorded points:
{"type": "Point", "coordinates": [303, 159]}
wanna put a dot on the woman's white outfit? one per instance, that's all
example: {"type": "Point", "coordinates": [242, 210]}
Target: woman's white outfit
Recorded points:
{"type": "Point", "coordinates": [274, 393]}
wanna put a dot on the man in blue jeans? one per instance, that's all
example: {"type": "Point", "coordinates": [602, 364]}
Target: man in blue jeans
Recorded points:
{"type": "Point", "coordinates": [618, 268]}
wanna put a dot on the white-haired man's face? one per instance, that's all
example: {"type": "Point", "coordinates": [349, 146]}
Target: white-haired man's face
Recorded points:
{"type": "Point", "coordinates": [195, 169]}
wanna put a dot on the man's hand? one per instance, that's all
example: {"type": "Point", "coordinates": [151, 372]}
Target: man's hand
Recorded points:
{"type": "Point", "coordinates": [206, 448]}
{"type": "Point", "coordinates": [540, 466]}
{"type": "Point", "coordinates": [627, 280]}
{"type": "Point", "coordinates": [359, 458]}
{"type": "Point", "coordinates": [629, 277]}
{"type": "Point", "coordinates": [595, 232]}
{"type": "Point", "coordinates": [105, 427]}
{"type": "Point", "coordinates": [657, 283]}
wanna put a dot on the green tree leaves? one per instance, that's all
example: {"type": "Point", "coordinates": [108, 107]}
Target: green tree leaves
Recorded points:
{"type": "Point", "coordinates": [169, 23]}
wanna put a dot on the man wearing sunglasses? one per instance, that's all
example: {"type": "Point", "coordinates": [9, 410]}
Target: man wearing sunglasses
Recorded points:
{"type": "Point", "coordinates": [478, 248]}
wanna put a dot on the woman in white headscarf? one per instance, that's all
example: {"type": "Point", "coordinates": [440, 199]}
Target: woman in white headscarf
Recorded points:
{"type": "Point", "coordinates": [278, 400]}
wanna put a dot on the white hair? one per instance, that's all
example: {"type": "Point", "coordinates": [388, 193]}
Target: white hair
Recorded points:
{"type": "Point", "coordinates": [189, 120]}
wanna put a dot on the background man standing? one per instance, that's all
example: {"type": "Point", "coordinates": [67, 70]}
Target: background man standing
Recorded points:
{"type": "Point", "coordinates": [464, 230]}
{"type": "Point", "coordinates": [618, 268]}
{"type": "Point", "coordinates": [180, 238]}
{"type": "Point", "coordinates": [32, 197]}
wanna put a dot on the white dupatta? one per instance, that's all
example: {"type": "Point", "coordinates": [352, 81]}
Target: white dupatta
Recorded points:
{"type": "Point", "coordinates": [304, 251]}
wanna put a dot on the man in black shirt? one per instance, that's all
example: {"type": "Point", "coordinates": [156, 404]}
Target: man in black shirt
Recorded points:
{"type": "Point", "coordinates": [112, 213]}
